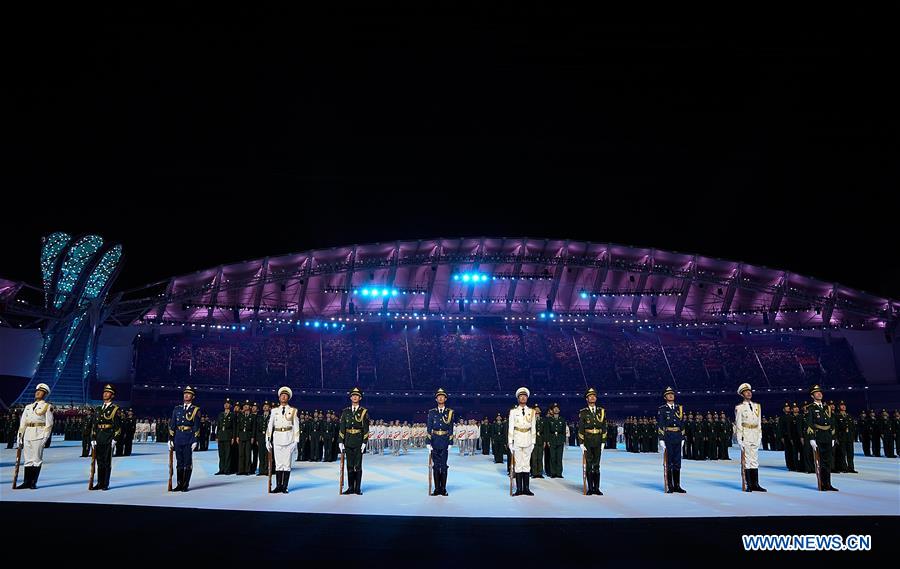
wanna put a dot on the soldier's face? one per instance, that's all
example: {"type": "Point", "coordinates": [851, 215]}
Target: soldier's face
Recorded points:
{"type": "Point", "coordinates": [283, 398]}
{"type": "Point", "coordinates": [441, 399]}
{"type": "Point", "coordinates": [817, 395]}
{"type": "Point", "coordinates": [591, 399]}
{"type": "Point", "coordinates": [188, 397]}
{"type": "Point", "coordinates": [354, 399]}
{"type": "Point", "coordinates": [228, 406]}
{"type": "Point", "coordinates": [107, 395]}
{"type": "Point", "coordinates": [670, 397]}
{"type": "Point", "coordinates": [748, 395]}
{"type": "Point", "coordinates": [523, 399]}
{"type": "Point", "coordinates": [843, 408]}
{"type": "Point", "coordinates": [39, 394]}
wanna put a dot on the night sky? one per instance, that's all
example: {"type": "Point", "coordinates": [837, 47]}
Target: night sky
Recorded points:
{"type": "Point", "coordinates": [196, 147]}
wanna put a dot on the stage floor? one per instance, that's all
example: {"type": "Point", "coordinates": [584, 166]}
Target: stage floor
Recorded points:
{"type": "Point", "coordinates": [397, 486]}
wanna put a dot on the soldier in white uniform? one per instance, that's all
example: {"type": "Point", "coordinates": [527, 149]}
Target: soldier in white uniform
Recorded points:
{"type": "Point", "coordinates": [282, 436]}
{"type": "Point", "coordinates": [521, 439]}
{"type": "Point", "coordinates": [35, 428]}
{"type": "Point", "coordinates": [748, 429]}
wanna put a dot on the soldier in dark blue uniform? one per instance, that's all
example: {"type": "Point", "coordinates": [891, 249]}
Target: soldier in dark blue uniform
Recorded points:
{"type": "Point", "coordinates": [439, 427]}
{"type": "Point", "coordinates": [184, 437]}
{"type": "Point", "coordinates": [670, 427]}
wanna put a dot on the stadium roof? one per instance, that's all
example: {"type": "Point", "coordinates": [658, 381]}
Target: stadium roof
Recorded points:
{"type": "Point", "coordinates": [505, 278]}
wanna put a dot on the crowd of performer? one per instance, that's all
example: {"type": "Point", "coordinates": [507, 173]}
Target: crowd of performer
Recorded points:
{"type": "Point", "coordinates": [264, 439]}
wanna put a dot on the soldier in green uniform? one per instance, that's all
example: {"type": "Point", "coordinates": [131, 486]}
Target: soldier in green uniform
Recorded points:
{"type": "Point", "coordinates": [555, 438]}
{"type": "Point", "coordinates": [592, 436]}
{"type": "Point", "coordinates": [845, 431]}
{"type": "Point", "coordinates": [245, 431]}
{"type": "Point", "coordinates": [225, 425]}
{"type": "Point", "coordinates": [354, 435]}
{"type": "Point", "coordinates": [261, 425]}
{"type": "Point", "coordinates": [329, 429]}
{"type": "Point", "coordinates": [107, 427]}
{"type": "Point", "coordinates": [727, 430]}
{"type": "Point", "coordinates": [303, 442]}
{"type": "Point", "coordinates": [887, 434]}
{"type": "Point", "coordinates": [689, 436]}
{"type": "Point", "coordinates": [895, 427]}
{"type": "Point", "coordinates": [204, 433]}
{"type": "Point", "coordinates": [254, 446]}
{"type": "Point", "coordinates": [783, 434]}
{"type": "Point", "coordinates": [819, 431]}
{"type": "Point", "coordinates": [86, 427]}
{"type": "Point", "coordinates": [701, 434]}
{"type": "Point", "coordinates": [497, 439]}
{"type": "Point", "coordinates": [865, 433]}
{"type": "Point", "coordinates": [537, 453]}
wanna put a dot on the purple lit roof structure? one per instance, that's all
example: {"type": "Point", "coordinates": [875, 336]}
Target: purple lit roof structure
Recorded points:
{"type": "Point", "coordinates": [513, 279]}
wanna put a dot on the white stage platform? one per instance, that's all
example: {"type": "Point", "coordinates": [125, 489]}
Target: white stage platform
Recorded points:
{"type": "Point", "coordinates": [632, 484]}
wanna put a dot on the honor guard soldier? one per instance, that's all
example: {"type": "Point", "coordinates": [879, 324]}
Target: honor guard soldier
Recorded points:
{"type": "Point", "coordinates": [282, 434]}
{"type": "Point", "coordinates": [820, 433]}
{"type": "Point", "coordinates": [261, 425]}
{"type": "Point", "coordinates": [35, 428]}
{"type": "Point", "coordinates": [354, 435]}
{"type": "Point", "coordinates": [556, 438]}
{"type": "Point", "coordinates": [246, 436]}
{"type": "Point", "coordinates": [845, 430]}
{"type": "Point", "coordinates": [537, 455]}
{"type": "Point", "coordinates": [184, 433]}
{"type": "Point", "coordinates": [670, 428]}
{"type": "Point", "coordinates": [107, 426]}
{"type": "Point", "coordinates": [498, 440]}
{"type": "Point", "coordinates": [592, 436]}
{"type": "Point", "coordinates": [225, 424]}
{"type": "Point", "coordinates": [747, 422]}
{"type": "Point", "coordinates": [783, 433]}
{"type": "Point", "coordinates": [438, 426]}
{"type": "Point", "coordinates": [521, 439]}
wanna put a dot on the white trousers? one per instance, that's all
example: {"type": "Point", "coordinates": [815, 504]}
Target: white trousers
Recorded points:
{"type": "Point", "coordinates": [283, 455]}
{"type": "Point", "coordinates": [33, 452]}
{"type": "Point", "coordinates": [751, 455]}
{"type": "Point", "coordinates": [523, 458]}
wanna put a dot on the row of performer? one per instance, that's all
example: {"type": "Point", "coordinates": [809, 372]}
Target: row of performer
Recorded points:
{"type": "Point", "coordinates": [533, 442]}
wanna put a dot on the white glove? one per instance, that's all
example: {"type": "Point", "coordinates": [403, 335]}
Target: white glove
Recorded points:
{"type": "Point", "coordinates": [428, 447]}
{"type": "Point", "coordinates": [341, 446]}
{"type": "Point", "coordinates": [812, 444]}
{"type": "Point", "coordinates": [662, 444]}
{"type": "Point", "coordinates": [194, 446]}
{"type": "Point", "coordinates": [171, 445]}
{"type": "Point", "coordinates": [682, 444]}
{"type": "Point", "coordinates": [21, 442]}
{"type": "Point", "coordinates": [602, 446]}
{"type": "Point", "coordinates": [362, 448]}
{"type": "Point", "coordinates": [269, 446]}
{"type": "Point", "coordinates": [741, 444]}
{"type": "Point", "coordinates": [93, 444]}
{"type": "Point", "coordinates": [583, 448]}
{"type": "Point", "coordinates": [833, 442]}
{"type": "Point", "coordinates": [114, 445]}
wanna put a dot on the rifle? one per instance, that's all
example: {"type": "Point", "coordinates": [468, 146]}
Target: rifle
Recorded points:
{"type": "Point", "coordinates": [429, 473]}
{"type": "Point", "coordinates": [171, 452]}
{"type": "Point", "coordinates": [269, 461]}
{"type": "Point", "coordinates": [743, 474]}
{"type": "Point", "coordinates": [18, 461]}
{"type": "Point", "coordinates": [512, 470]}
{"type": "Point", "coordinates": [341, 483]}
{"type": "Point", "coordinates": [93, 467]}
{"type": "Point", "coordinates": [666, 469]}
